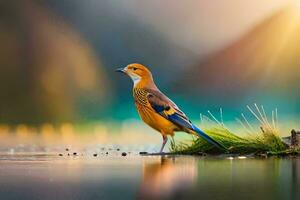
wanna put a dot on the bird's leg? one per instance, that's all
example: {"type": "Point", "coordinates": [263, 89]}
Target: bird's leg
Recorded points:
{"type": "Point", "coordinates": [165, 139]}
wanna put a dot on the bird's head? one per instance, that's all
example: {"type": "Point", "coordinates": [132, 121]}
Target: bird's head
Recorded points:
{"type": "Point", "coordinates": [137, 72]}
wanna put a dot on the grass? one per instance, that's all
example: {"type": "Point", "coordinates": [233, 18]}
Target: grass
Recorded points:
{"type": "Point", "coordinates": [265, 140]}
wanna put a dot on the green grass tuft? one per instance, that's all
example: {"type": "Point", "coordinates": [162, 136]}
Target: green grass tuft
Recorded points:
{"type": "Point", "coordinates": [266, 141]}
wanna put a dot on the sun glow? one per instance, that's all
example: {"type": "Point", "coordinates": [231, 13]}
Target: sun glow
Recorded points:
{"type": "Point", "coordinates": [297, 3]}
{"type": "Point", "coordinates": [288, 26]}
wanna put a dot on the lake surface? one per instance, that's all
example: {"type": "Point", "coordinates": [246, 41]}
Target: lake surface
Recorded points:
{"type": "Point", "coordinates": [38, 176]}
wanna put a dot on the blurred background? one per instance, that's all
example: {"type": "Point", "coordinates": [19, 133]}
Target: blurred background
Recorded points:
{"type": "Point", "coordinates": [57, 61]}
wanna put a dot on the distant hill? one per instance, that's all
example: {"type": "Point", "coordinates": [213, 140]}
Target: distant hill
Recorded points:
{"type": "Point", "coordinates": [47, 71]}
{"type": "Point", "coordinates": [266, 59]}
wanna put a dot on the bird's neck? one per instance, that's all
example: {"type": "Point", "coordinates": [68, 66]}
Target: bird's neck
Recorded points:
{"type": "Point", "coordinates": [145, 82]}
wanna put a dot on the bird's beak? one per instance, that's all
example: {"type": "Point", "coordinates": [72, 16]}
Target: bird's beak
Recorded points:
{"type": "Point", "coordinates": [120, 70]}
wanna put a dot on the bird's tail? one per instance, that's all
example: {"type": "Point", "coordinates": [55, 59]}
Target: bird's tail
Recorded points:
{"type": "Point", "coordinates": [208, 138]}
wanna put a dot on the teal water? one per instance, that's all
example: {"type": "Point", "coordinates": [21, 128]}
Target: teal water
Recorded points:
{"type": "Point", "coordinates": [29, 176]}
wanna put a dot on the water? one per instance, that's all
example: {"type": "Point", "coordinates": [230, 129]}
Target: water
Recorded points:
{"type": "Point", "coordinates": [28, 176]}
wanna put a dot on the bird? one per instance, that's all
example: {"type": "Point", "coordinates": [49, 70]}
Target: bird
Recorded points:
{"type": "Point", "coordinates": [157, 110]}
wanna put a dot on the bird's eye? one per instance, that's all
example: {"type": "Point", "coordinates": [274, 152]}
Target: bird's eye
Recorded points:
{"type": "Point", "coordinates": [134, 68]}
{"type": "Point", "coordinates": [167, 108]}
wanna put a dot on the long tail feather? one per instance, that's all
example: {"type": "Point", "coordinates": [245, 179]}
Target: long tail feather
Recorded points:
{"type": "Point", "coordinates": [208, 138]}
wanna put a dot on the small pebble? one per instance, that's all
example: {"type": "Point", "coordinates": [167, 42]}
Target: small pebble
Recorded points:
{"type": "Point", "coordinates": [118, 149]}
{"type": "Point", "coordinates": [106, 153]}
{"type": "Point", "coordinates": [74, 153]}
{"type": "Point", "coordinates": [60, 154]}
{"type": "Point", "coordinates": [124, 154]}
{"type": "Point", "coordinates": [95, 155]}
{"type": "Point", "coordinates": [68, 154]}
{"type": "Point", "coordinates": [67, 149]}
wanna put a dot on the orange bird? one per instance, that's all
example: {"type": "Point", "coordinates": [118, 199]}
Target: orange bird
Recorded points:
{"type": "Point", "coordinates": [156, 109]}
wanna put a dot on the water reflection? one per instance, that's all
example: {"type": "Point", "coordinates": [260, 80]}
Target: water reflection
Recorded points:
{"type": "Point", "coordinates": [135, 177]}
{"type": "Point", "coordinates": [295, 176]}
{"type": "Point", "coordinates": [164, 176]}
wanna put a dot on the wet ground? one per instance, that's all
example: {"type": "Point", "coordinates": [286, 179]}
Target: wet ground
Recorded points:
{"type": "Point", "coordinates": [50, 176]}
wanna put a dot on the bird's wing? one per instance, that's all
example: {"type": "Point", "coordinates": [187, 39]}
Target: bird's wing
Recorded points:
{"type": "Point", "coordinates": [168, 109]}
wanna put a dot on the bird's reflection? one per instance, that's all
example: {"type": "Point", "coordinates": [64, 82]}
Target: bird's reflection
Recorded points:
{"type": "Point", "coordinates": [166, 176]}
